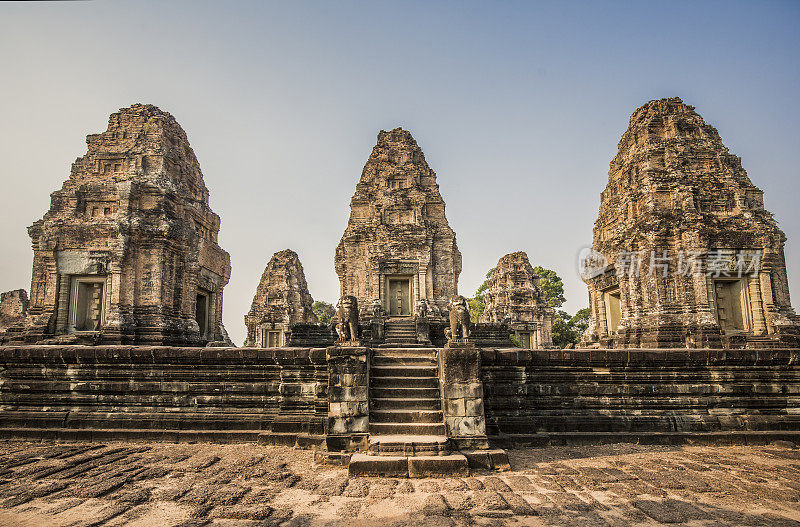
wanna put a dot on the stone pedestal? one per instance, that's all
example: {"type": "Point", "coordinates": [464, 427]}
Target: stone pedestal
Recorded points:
{"type": "Point", "coordinates": [462, 393]}
{"type": "Point", "coordinates": [423, 328]}
{"type": "Point", "coordinates": [348, 398]}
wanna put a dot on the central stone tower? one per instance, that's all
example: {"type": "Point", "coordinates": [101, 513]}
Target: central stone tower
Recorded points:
{"type": "Point", "coordinates": [398, 248]}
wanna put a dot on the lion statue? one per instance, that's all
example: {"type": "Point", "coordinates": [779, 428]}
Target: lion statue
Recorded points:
{"type": "Point", "coordinates": [459, 318]}
{"type": "Point", "coordinates": [347, 323]}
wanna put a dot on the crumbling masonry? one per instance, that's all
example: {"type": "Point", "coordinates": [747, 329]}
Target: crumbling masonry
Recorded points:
{"type": "Point", "coordinates": [515, 296]}
{"type": "Point", "coordinates": [282, 300]}
{"type": "Point", "coordinates": [128, 251]}
{"type": "Point", "coordinates": [685, 253]}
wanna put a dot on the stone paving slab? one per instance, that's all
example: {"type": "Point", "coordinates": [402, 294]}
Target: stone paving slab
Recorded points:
{"type": "Point", "coordinates": [248, 485]}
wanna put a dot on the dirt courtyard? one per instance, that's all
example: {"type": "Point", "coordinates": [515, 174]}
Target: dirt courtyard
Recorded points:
{"type": "Point", "coordinates": [164, 485]}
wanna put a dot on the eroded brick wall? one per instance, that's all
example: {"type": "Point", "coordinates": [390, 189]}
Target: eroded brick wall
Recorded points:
{"type": "Point", "coordinates": [237, 392]}
{"type": "Point", "coordinates": [630, 395]}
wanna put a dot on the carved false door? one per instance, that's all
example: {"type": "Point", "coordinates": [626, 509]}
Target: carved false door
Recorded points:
{"type": "Point", "coordinates": [399, 297]}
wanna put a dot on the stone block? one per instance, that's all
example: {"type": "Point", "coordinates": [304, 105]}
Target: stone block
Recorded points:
{"type": "Point", "coordinates": [460, 363]}
{"type": "Point", "coordinates": [454, 465]}
{"type": "Point", "coordinates": [466, 390]}
{"type": "Point", "coordinates": [478, 459]}
{"type": "Point", "coordinates": [455, 407]}
{"type": "Point", "coordinates": [465, 426]}
{"type": "Point", "coordinates": [474, 407]}
{"type": "Point", "coordinates": [383, 466]}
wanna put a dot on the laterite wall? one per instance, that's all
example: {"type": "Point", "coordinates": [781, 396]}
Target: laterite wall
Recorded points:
{"type": "Point", "coordinates": [162, 392]}
{"type": "Point", "coordinates": [548, 396]}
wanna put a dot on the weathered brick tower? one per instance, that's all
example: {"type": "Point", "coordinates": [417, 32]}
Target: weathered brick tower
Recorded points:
{"type": "Point", "coordinates": [515, 296]}
{"type": "Point", "coordinates": [128, 251]}
{"type": "Point", "coordinates": [693, 258]}
{"type": "Point", "coordinates": [282, 299]}
{"type": "Point", "coordinates": [398, 247]}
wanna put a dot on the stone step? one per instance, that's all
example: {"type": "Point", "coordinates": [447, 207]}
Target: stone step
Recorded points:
{"type": "Point", "coordinates": [402, 350]}
{"type": "Point", "coordinates": [405, 382]}
{"type": "Point", "coordinates": [406, 416]}
{"type": "Point", "coordinates": [406, 370]}
{"type": "Point", "coordinates": [410, 360]}
{"type": "Point", "coordinates": [453, 465]}
{"type": "Point", "coordinates": [407, 428]}
{"type": "Point", "coordinates": [404, 393]}
{"type": "Point", "coordinates": [423, 403]}
{"type": "Point", "coordinates": [402, 345]}
{"type": "Point", "coordinates": [408, 445]}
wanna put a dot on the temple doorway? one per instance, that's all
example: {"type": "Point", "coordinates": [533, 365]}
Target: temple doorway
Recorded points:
{"type": "Point", "coordinates": [731, 305]}
{"type": "Point", "coordinates": [399, 296]}
{"type": "Point", "coordinates": [612, 301]}
{"type": "Point", "coordinates": [201, 311]}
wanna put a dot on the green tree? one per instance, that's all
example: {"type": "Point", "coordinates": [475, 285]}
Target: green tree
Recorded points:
{"type": "Point", "coordinates": [581, 321]}
{"type": "Point", "coordinates": [569, 329]}
{"type": "Point", "coordinates": [552, 286]}
{"type": "Point", "coordinates": [324, 311]}
{"type": "Point", "coordinates": [476, 305]}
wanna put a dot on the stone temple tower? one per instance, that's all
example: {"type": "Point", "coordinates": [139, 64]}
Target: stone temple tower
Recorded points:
{"type": "Point", "coordinates": [281, 299]}
{"type": "Point", "coordinates": [685, 255]}
{"type": "Point", "coordinates": [128, 251]}
{"type": "Point", "coordinates": [398, 247]}
{"type": "Point", "coordinates": [515, 296]}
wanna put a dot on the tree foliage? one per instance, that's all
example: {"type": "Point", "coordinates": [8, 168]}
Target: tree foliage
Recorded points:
{"type": "Point", "coordinates": [476, 305]}
{"type": "Point", "coordinates": [552, 285]}
{"type": "Point", "coordinates": [569, 329]}
{"type": "Point", "coordinates": [324, 311]}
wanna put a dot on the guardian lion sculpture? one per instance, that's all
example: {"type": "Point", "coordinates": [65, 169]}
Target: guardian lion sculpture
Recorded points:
{"type": "Point", "coordinates": [459, 318]}
{"type": "Point", "coordinates": [347, 323]}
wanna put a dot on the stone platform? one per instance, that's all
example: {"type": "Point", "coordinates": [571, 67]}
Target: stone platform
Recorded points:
{"type": "Point", "coordinates": [313, 398]}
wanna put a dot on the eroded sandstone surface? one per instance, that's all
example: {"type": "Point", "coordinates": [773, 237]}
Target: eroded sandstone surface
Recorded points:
{"type": "Point", "coordinates": [398, 247]}
{"type": "Point", "coordinates": [244, 485]}
{"type": "Point", "coordinates": [690, 256]}
{"type": "Point", "coordinates": [282, 299]}
{"type": "Point", "coordinates": [128, 251]}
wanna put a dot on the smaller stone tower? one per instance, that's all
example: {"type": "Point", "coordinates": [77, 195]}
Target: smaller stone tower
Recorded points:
{"type": "Point", "coordinates": [13, 308]}
{"type": "Point", "coordinates": [282, 299]}
{"type": "Point", "coordinates": [515, 296]}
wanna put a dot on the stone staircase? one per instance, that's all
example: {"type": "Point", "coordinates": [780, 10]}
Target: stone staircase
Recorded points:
{"type": "Point", "coordinates": [400, 331]}
{"type": "Point", "coordinates": [406, 422]}
{"type": "Point", "coordinates": [404, 393]}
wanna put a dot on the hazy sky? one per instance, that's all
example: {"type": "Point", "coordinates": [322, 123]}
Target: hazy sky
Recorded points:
{"type": "Point", "coordinates": [517, 106]}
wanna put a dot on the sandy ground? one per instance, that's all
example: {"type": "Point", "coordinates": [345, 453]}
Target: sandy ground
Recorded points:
{"type": "Point", "coordinates": [163, 485]}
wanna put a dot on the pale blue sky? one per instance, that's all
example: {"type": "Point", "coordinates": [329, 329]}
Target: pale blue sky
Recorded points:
{"type": "Point", "coordinates": [517, 105]}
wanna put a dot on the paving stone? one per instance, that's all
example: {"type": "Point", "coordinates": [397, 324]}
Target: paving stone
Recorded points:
{"type": "Point", "coordinates": [332, 486]}
{"type": "Point", "coordinates": [405, 487]}
{"type": "Point", "coordinates": [428, 486]}
{"type": "Point", "coordinates": [489, 500]}
{"type": "Point", "coordinates": [459, 501]}
{"type": "Point", "coordinates": [249, 512]}
{"type": "Point", "coordinates": [357, 488]}
{"type": "Point", "coordinates": [453, 484]}
{"type": "Point", "coordinates": [495, 484]}
{"type": "Point", "coordinates": [518, 505]}
{"type": "Point", "coordinates": [435, 505]}
{"type": "Point", "coordinates": [474, 484]}
{"type": "Point", "coordinates": [670, 511]}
